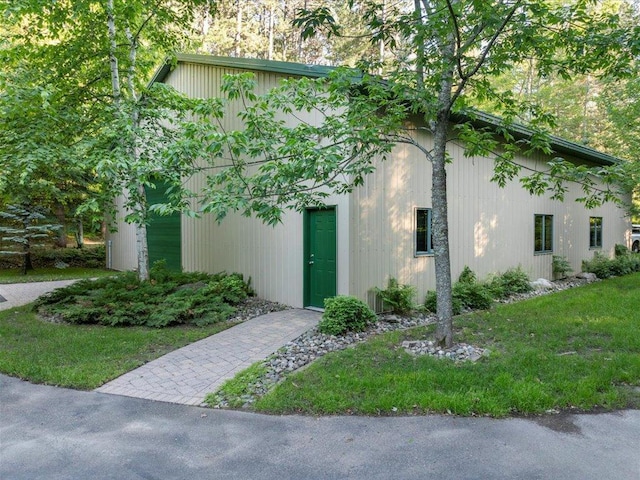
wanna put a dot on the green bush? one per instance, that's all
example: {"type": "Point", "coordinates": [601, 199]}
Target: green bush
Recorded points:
{"type": "Point", "coordinates": [560, 266]}
{"type": "Point", "coordinates": [473, 296]}
{"type": "Point", "coordinates": [511, 282]}
{"type": "Point", "coordinates": [167, 299]}
{"type": "Point", "coordinates": [345, 314]}
{"type": "Point", "coordinates": [468, 293]}
{"type": "Point", "coordinates": [605, 267]}
{"type": "Point", "coordinates": [431, 303]}
{"type": "Point", "coordinates": [467, 276]}
{"type": "Point", "coordinates": [397, 297]}
{"type": "Point", "coordinates": [231, 288]}
{"type": "Point", "coordinates": [620, 250]}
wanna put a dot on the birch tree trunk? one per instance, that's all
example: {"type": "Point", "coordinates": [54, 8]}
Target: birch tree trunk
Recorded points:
{"type": "Point", "coordinates": [136, 190]}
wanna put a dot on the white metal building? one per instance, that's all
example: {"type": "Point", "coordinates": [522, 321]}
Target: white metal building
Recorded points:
{"type": "Point", "coordinates": [381, 230]}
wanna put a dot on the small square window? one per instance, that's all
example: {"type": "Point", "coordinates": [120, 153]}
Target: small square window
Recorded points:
{"type": "Point", "coordinates": [595, 232]}
{"type": "Point", "coordinates": [424, 235]}
{"type": "Point", "coordinates": [543, 234]}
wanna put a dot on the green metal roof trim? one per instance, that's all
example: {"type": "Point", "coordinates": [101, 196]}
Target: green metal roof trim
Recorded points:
{"type": "Point", "coordinates": [481, 119]}
{"type": "Point", "coordinates": [559, 145]}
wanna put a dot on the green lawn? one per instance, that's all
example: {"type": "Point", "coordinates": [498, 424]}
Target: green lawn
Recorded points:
{"type": "Point", "coordinates": [574, 350]}
{"type": "Point", "coordinates": [14, 275]}
{"type": "Point", "coordinates": [82, 356]}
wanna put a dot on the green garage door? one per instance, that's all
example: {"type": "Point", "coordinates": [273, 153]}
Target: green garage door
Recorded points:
{"type": "Point", "coordinates": [163, 232]}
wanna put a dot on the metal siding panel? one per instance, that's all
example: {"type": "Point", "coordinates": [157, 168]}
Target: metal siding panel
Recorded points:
{"type": "Point", "coordinates": [490, 228]}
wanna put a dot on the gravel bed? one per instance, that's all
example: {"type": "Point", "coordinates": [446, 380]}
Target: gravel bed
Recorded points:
{"type": "Point", "coordinates": [313, 344]}
{"type": "Point", "coordinates": [252, 307]}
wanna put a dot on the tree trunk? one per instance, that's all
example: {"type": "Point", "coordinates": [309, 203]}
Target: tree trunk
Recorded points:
{"type": "Point", "coordinates": [61, 239]}
{"type": "Point", "coordinates": [142, 248]}
{"type": "Point", "coordinates": [79, 233]}
{"type": "Point", "coordinates": [271, 25]}
{"type": "Point", "coordinates": [237, 39]}
{"type": "Point", "coordinates": [444, 327]}
{"type": "Point", "coordinates": [26, 258]}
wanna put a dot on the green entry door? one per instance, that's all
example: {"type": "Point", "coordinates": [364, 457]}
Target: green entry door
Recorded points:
{"type": "Point", "coordinates": [163, 232]}
{"type": "Point", "coordinates": [320, 256]}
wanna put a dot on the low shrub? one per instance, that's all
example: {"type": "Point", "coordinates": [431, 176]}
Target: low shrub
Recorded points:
{"type": "Point", "coordinates": [167, 299]}
{"type": "Point", "coordinates": [467, 276]}
{"type": "Point", "coordinates": [431, 303]}
{"type": "Point", "coordinates": [345, 314]}
{"type": "Point", "coordinates": [465, 295]}
{"type": "Point", "coordinates": [560, 266]}
{"type": "Point", "coordinates": [604, 267]}
{"type": "Point", "coordinates": [473, 296]}
{"type": "Point", "coordinates": [620, 250]}
{"type": "Point", "coordinates": [469, 294]}
{"type": "Point", "coordinates": [399, 298]}
{"type": "Point", "coordinates": [511, 282]}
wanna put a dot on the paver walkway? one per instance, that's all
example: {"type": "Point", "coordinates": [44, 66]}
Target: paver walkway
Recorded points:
{"type": "Point", "coordinates": [186, 375]}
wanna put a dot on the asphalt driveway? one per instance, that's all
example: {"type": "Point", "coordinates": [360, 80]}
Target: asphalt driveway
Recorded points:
{"type": "Point", "coordinates": [52, 433]}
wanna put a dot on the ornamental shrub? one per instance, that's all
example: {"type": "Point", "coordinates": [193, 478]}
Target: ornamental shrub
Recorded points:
{"type": "Point", "coordinates": [431, 303]}
{"type": "Point", "coordinates": [344, 314]}
{"type": "Point", "coordinates": [473, 296]}
{"type": "Point", "coordinates": [511, 282]}
{"type": "Point", "coordinates": [467, 276]}
{"type": "Point", "coordinates": [620, 250]}
{"type": "Point", "coordinates": [560, 266]}
{"type": "Point", "coordinates": [599, 264]}
{"type": "Point", "coordinates": [399, 298]}
{"type": "Point", "coordinates": [167, 299]}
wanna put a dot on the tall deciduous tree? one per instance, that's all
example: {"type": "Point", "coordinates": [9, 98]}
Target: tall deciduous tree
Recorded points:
{"type": "Point", "coordinates": [88, 62]}
{"type": "Point", "coordinates": [440, 57]}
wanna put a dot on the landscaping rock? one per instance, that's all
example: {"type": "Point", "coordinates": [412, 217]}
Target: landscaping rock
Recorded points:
{"type": "Point", "coordinates": [589, 277]}
{"type": "Point", "coordinates": [541, 284]}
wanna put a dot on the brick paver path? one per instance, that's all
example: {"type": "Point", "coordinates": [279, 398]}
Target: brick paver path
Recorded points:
{"type": "Point", "coordinates": [186, 375]}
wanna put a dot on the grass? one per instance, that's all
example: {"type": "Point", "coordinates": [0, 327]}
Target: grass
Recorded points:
{"type": "Point", "coordinates": [14, 275]}
{"type": "Point", "coordinates": [573, 350]}
{"type": "Point", "coordinates": [83, 356]}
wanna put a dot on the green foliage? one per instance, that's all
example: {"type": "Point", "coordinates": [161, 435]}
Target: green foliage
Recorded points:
{"type": "Point", "coordinates": [605, 267]}
{"type": "Point", "coordinates": [88, 257]}
{"type": "Point", "coordinates": [231, 288]}
{"type": "Point", "coordinates": [167, 299]}
{"type": "Point", "coordinates": [467, 276]}
{"type": "Point", "coordinates": [399, 298]}
{"type": "Point", "coordinates": [511, 282]}
{"type": "Point", "coordinates": [620, 250]}
{"type": "Point", "coordinates": [473, 296]}
{"type": "Point", "coordinates": [469, 294]}
{"type": "Point", "coordinates": [344, 314]}
{"type": "Point", "coordinates": [560, 266]}
{"type": "Point", "coordinates": [26, 228]}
